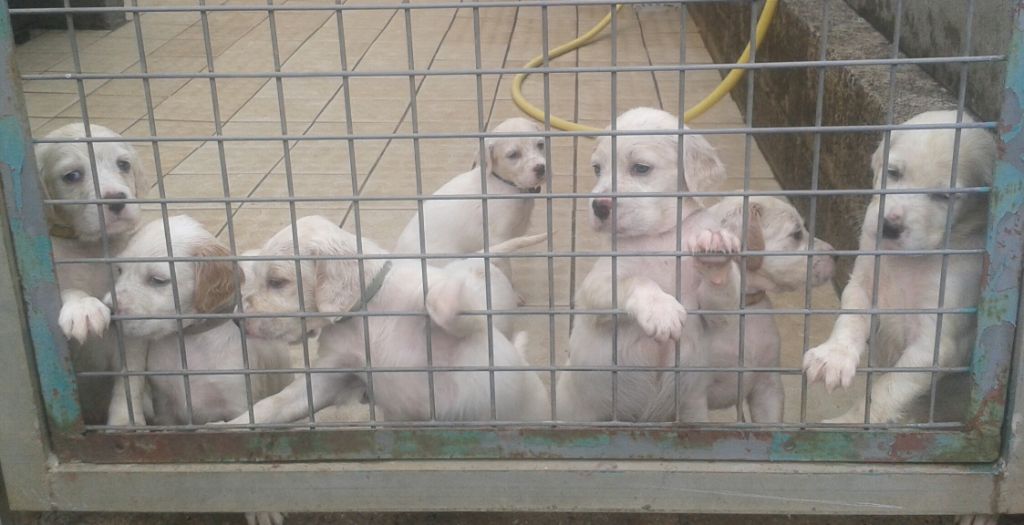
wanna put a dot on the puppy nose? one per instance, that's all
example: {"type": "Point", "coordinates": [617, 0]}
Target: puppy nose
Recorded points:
{"type": "Point", "coordinates": [891, 230]}
{"type": "Point", "coordinates": [602, 207]}
{"type": "Point", "coordinates": [115, 207]}
{"type": "Point", "coordinates": [540, 170]}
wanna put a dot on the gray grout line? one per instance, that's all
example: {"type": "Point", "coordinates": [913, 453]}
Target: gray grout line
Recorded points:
{"type": "Point", "coordinates": [647, 53]}
{"type": "Point", "coordinates": [313, 122]}
{"type": "Point", "coordinates": [401, 120]}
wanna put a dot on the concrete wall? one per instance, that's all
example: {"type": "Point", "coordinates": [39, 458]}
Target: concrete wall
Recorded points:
{"type": "Point", "coordinates": [937, 28]}
{"type": "Point", "coordinates": [851, 96]}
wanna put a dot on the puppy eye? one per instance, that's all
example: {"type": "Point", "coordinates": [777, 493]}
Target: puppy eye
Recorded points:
{"type": "Point", "coordinates": [640, 169]}
{"type": "Point", "coordinates": [276, 283]}
{"type": "Point", "coordinates": [893, 173]}
{"type": "Point", "coordinates": [797, 235]}
{"type": "Point", "coordinates": [597, 170]}
{"type": "Point", "coordinates": [72, 177]}
{"type": "Point", "coordinates": [118, 270]}
{"type": "Point", "coordinates": [941, 197]}
{"type": "Point", "coordinates": [513, 155]}
{"type": "Point", "coordinates": [124, 165]}
{"type": "Point", "coordinates": [156, 280]}
{"type": "Point", "coordinates": [540, 145]}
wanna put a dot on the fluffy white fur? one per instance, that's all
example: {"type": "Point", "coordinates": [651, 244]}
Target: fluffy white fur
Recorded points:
{"type": "Point", "coordinates": [772, 225]}
{"type": "Point", "coordinates": [147, 288]}
{"type": "Point", "coordinates": [65, 173]}
{"type": "Point", "coordinates": [646, 285]}
{"type": "Point", "coordinates": [395, 341]}
{"type": "Point", "coordinates": [918, 159]}
{"type": "Point", "coordinates": [514, 165]}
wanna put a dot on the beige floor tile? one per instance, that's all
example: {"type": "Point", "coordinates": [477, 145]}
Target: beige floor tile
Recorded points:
{"type": "Point", "coordinates": [36, 62]}
{"type": "Point", "coordinates": [59, 86]}
{"type": "Point", "coordinates": [115, 106]}
{"type": "Point", "coordinates": [240, 156]}
{"type": "Point", "coordinates": [193, 100]}
{"type": "Point", "coordinates": [118, 125]}
{"type": "Point", "coordinates": [48, 104]}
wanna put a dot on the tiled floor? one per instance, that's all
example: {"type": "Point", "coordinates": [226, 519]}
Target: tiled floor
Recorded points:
{"type": "Point", "coordinates": [241, 42]}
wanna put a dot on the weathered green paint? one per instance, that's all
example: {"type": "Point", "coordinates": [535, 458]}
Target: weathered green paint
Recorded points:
{"type": "Point", "coordinates": [1001, 292]}
{"type": "Point", "coordinates": [27, 224]}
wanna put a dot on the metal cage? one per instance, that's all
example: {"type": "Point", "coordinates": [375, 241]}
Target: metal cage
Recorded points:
{"type": "Point", "coordinates": [52, 460]}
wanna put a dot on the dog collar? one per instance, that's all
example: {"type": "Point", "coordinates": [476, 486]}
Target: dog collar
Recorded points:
{"type": "Point", "coordinates": [368, 294]}
{"type": "Point", "coordinates": [62, 231]}
{"type": "Point", "coordinates": [205, 325]}
{"type": "Point", "coordinates": [535, 189]}
{"type": "Point", "coordinates": [754, 297]}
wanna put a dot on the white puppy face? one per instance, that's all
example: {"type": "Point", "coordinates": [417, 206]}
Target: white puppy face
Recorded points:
{"type": "Point", "coordinates": [519, 160]}
{"type": "Point", "coordinates": [65, 173]}
{"type": "Point", "coordinates": [923, 159]}
{"type": "Point", "coordinates": [327, 285]}
{"type": "Point", "coordinates": [146, 288]}
{"type": "Point", "coordinates": [776, 226]}
{"type": "Point", "coordinates": [649, 164]}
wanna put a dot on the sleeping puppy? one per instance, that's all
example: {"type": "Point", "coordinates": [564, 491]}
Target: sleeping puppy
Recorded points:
{"type": "Point", "coordinates": [147, 289]}
{"type": "Point", "coordinates": [646, 285]}
{"type": "Point", "coordinates": [75, 232]}
{"type": "Point", "coordinates": [918, 159]}
{"type": "Point", "coordinates": [514, 165]}
{"type": "Point", "coordinates": [333, 286]}
{"type": "Point", "coordinates": [773, 225]}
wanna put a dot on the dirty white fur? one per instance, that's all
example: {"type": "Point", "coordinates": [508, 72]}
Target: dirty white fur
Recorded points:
{"type": "Point", "coordinates": [918, 159]}
{"type": "Point", "coordinates": [779, 227]}
{"type": "Point", "coordinates": [146, 289]}
{"type": "Point", "coordinates": [646, 286]}
{"type": "Point", "coordinates": [395, 341]}
{"type": "Point", "coordinates": [456, 226]}
{"type": "Point", "coordinates": [65, 173]}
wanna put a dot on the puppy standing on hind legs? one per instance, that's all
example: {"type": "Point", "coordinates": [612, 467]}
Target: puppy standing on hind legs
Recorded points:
{"type": "Point", "coordinates": [918, 159]}
{"type": "Point", "coordinates": [645, 285]}
{"type": "Point", "coordinates": [77, 231]}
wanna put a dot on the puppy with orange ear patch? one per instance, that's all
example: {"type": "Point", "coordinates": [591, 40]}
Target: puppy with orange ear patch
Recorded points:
{"type": "Point", "coordinates": [202, 287]}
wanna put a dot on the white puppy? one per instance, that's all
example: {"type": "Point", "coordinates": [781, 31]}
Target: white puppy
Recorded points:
{"type": "Point", "coordinates": [773, 225]}
{"type": "Point", "coordinates": [514, 165]}
{"type": "Point", "coordinates": [918, 159]}
{"type": "Point", "coordinates": [646, 285]}
{"type": "Point", "coordinates": [395, 341]}
{"type": "Point", "coordinates": [75, 231]}
{"type": "Point", "coordinates": [147, 289]}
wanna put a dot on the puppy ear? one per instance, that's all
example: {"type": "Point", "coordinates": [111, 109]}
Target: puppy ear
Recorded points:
{"type": "Point", "coordinates": [337, 281]}
{"type": "Point", "coordinates": [143, 181]}
{"type": "Point", "coordinates": [704, 170]}
{"type": "Point", "coordinates": [215, 283]}
{"type": "Point", "coordinates": [488, 152]}
{"type": "Point", "coordinates": [755, 236]}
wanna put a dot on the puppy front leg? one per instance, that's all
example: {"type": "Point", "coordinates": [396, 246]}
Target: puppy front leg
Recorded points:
{"type": "Point", "coordinates": [892, 393]}
{"type": "Point", "coordinates": [834, 362]}
{"type": "Point", "coordinates": [136, 352]}
{"type": "Point", "coordinates": [292, 403]}
{"type": "Point", "coordinates": [767, 398]}
{"type": "Point", "coordinates": [82, 315]}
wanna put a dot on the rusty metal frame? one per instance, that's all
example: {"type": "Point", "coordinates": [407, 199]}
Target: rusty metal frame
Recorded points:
{"type": "Point", "coordinates": [49, 462]}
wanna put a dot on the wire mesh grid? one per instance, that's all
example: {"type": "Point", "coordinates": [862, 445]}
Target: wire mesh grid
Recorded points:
{"type": "Point", "coordinates": [254, 116]}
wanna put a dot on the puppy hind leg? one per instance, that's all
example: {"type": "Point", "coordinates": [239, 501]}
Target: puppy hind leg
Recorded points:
{"type": "Point", "coordinates": [766, 398]}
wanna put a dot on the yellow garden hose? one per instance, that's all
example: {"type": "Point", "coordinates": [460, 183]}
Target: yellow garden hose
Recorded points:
{"type": "Point", "coordinates": [723, 88]}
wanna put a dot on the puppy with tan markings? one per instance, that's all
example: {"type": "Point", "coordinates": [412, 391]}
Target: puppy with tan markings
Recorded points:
{"type": "Point", "coordinates": [918, 160]}
{"type": "Point", "coordinates": [646, 285]}
{"type": "Point", "coordinates": [203, 287]}
{"type": "Point", "coordinates": [513, 165]}
{"type": "Point", "coordinates": [773, 225]}
{"type": "Point", "coordinates": [333, 285]}
{"type": "Point", "coordinates": [76, 231]}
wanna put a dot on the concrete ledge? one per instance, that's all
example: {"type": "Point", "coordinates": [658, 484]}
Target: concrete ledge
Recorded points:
{"type": "Point", "coordinates": [852, 96]}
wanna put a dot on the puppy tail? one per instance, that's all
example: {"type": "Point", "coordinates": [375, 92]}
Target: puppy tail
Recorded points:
{"type": "Point", "coordinates": [518, 243]}
{"type": "Point", "coordinates": [446, 300]}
